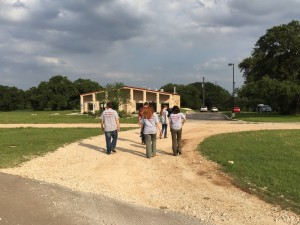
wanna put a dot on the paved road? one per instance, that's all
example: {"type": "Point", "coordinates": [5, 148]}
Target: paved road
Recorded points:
{"type": "Point", "coordinates": [205, 116]}
{"type": "Point", "coordinates": [29, 202]}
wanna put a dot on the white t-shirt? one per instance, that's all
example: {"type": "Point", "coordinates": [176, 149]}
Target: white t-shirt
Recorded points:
{"type": "Point", "coordinates": [150, 124]}
{"type": "Point", "coordinates": [109, 117]}
{"type": "Point", "coordinates": [176, 121]}
{"type": "Point", "coordinates": [164, 116]}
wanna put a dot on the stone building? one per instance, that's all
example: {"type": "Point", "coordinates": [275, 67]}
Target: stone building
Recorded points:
{"type": "Point", "coordinates": [137, 96]}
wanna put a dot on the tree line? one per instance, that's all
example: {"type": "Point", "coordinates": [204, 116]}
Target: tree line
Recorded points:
{"type": "Point", "coordinates": [59, 93]}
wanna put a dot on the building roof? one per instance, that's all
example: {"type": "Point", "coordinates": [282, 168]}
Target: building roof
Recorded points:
{"type": "Point", "coordinates": [135, 88]}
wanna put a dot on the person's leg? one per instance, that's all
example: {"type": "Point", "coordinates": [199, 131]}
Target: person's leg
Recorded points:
{"type": "Point", "coordinates": [179, 134]}
{"type": "Point", "coordinates": [174, 141]}
{"type": "Point", "coordinates": [153, 138]}
{"type": "Point", "coordinates": [161, 131]}
{"type": "Point", "coordinates": [114, 135]}
{"type": "Point", "coordinates": [108, 142]}
{"type": "Point", "coordinates": [166, 130]}
{"type": "Point", "coordinates": [148, 145]}
{"type": "Point", "coordinates": [143, 138]}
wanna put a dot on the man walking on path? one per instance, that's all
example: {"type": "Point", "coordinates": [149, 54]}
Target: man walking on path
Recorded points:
{"type": "Point", "coordinates": [110, 124]}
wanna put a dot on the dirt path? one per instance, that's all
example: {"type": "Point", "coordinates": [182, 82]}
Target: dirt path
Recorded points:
{"type": "Point", "coordinates": [188, 183]}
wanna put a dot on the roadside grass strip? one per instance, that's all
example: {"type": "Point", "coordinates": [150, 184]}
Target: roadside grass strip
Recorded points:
{"type": "Point", "coordinates": [18, 145]}
{"type": "Point", "coordinates": [266, 163]}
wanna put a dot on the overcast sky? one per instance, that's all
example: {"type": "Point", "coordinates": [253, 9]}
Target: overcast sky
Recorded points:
{"type": "Point", "coordinates": [142, 43]}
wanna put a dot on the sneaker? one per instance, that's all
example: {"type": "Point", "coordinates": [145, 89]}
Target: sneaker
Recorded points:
{"type": "Point", "coordinates": [113, 150]}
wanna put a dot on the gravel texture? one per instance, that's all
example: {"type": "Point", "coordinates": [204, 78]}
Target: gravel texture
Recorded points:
{"type": "Point", "coordinates": [188, 183]}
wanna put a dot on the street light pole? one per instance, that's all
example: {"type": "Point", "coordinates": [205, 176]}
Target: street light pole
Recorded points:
{"type": "Point", "coordinates": [232, 64]}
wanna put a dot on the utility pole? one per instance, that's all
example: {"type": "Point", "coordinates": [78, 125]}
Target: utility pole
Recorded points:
{"type": "Point", "coordinates": [233, 84]}
{"type": "Point", "coordinates": [203, 97]}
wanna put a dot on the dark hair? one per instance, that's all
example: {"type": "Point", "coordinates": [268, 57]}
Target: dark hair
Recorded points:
{"type": "Point", "coordinates": [109, 105]}
{"type": "Point", "coordinates": [146, 103]}
{"type": "Point", "coordinates": [175, 109]}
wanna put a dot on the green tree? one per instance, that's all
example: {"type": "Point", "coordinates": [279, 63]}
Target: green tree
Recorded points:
{"type": "Point", "coordinates": [272, 72]}
{"type": "Point", "coordinates": [60, 91]}
{"type": "Point", "coordinates": [192, 95]}
{"type": "Point", "coordinates": [83, 86]}
{"type": "Point", "coordinates": [39, 96]}
{"type": "Point", "coordinates": [114, 93]}
{"type": "Point", "coordinates": [11, 98]}
{"type": "Point", "coordinates": [86, 85]}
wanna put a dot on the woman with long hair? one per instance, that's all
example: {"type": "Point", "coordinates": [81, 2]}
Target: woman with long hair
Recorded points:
{"type": "Point", "coordinates": [177, 119]}
{"type": "Point", "coordinates": [150, 127]}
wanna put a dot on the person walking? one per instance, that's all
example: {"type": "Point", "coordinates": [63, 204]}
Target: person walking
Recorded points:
{"type": "Point", "coordinates": [150, 127]}
{"type": "Point", "coordinates": [146, 104]}
{"type": "Point", "coordinates": [164, 124]}
{"type": "Point", "coordinates": [110, 124]}
{"type": "Point", "coordinates": [177, 119]}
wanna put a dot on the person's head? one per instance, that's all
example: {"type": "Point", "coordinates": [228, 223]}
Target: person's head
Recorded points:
{"type": "Point", "coordinates": [146, 104]}
{"type": "Point", "coordinates": [148, 113]}
{"type": "Point", "coordinates": [162, 109]}
{"type": "Point", "coordinates": [175, 109]}
{"type": "Point", "coordinates": [109, 105]}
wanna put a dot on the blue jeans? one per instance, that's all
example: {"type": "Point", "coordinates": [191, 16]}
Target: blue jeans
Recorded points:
{"type": "Point", "coordinates": [164, 128]}
{"type": "Point", "coordinates": [111, 140]}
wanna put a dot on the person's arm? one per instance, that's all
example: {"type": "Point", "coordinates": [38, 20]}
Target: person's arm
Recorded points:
{"type": "Point", "coordinates": [183, 119]}
{"type": "Point", "coordinates": [118, 123]}
{"type": "Point", "coordinates": [102, 122]}
{"type": "Point", "coordinates": [102, 125]}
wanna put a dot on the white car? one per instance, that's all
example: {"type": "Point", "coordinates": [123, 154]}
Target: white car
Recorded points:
{"type": "Point", "coordinates": [203, 109]}
{"type": "Point", "coordinates": [214, 109]}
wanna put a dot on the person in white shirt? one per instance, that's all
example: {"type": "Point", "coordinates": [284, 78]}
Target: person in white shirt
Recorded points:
{"type": "Point", "coordinates": [150, 127]}
{"type": "Point", "coordinates": [164, 122]}
{"type": "Point", "coordinates": [176, 119]}
{"type": "Point", "coordinates": [110, 124]}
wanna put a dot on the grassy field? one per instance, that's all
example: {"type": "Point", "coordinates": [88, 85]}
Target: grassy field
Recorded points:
{"type": "Point", "coordinates": [264, 117]}
{"type": "Point", "coordinates": [266, 163]}
{"type": "Point", "coordinates": [18, 145]}
{"type": "Point", "coordinates": [48, 117]}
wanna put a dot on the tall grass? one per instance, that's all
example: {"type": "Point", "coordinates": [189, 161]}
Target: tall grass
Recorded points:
{"type": "Point", "coordinates": [266, 163]}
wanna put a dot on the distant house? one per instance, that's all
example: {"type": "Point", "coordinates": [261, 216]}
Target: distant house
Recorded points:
{"type": "Point", "coordinates": [137, 96]}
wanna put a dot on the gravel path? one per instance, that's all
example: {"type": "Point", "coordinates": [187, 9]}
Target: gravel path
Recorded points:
{"type": "Point", "coordinates": [189, 183]}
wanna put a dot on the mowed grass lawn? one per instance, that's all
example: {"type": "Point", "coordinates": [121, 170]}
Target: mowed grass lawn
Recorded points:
{"type": "Point", "coordinates": [48, 117]}
{"type": "Point", "coordinates": [18, 145]}
{"type": "Point", "coordinates": [266, 163]}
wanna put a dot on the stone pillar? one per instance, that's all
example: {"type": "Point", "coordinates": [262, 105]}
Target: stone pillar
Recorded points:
{"type": "Point", "coordinates": [131, 103]}
{"type": "Point", "coordinates": [144, 96]}
{"type": "Point", "coordinates": [158, 105]}
{"type": "Point", "coordinates": [94, 102]}
{"type": "Point", "coordinates": [81, 104]}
